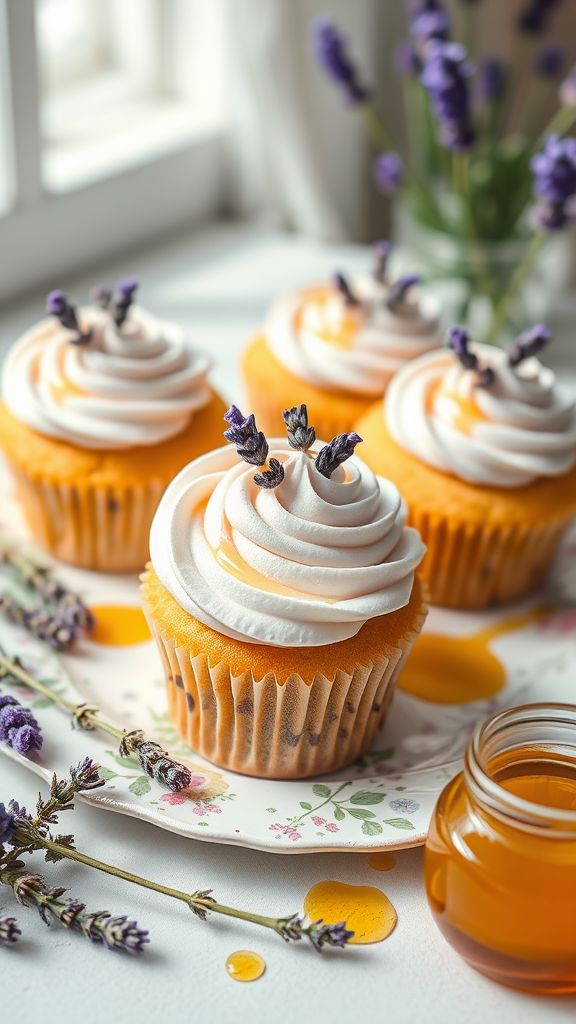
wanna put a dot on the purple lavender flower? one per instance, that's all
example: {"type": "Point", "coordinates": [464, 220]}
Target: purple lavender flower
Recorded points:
{"type": "Point", "coordinates": [459, 340]}
{"type": "Point", "coordinates": [430, 25]}
{"type": "Point", "coordinates": [18, 726]}
{"type": "Point", "coordinates": [8, 816]}
{"type": "Point", "coordinates": [9, 931]}
{"type": "Point", "coordinates": [334, 454]}
{"type": "Point", "coordinates": [492, 79]}
{"type": "Point", "coordinates": [549, 60]}
{"type": "Point", "coordinates": [57, 305]}
{"type": "Point", "coordinates": [250, 442]}
{"type": "Point", "coordinates": [567, 94]}
{"type": "Point", "coordinates": [399, 291]}
{"type": "Point", "coordinates": [534, 18]}
{"type": "Point", "coordinates": [300, 435]}
{"type": "Point", "coordinates": [321, 935]}
{"type": "Point", "coordinates": [554, 170]}
{"type": "Point", "coordinates": [388, 172]}
{"type": "Point", "coordinates": [406, 60]}
{"type": "Point", "coordinates": [529, 344]}
{"type": "Point", "coordinates": [382, 250]}
{"type": "Point", "coordinates": [86, 775]}
{"type": "Point", "coordinates": [445, 76]}
{"type": "Point", "coordinates": [155, 761]}
{"type": "Point", "coordinates": [271, 477]}
{"type": "Point", "coordinates": [331, 53]}
{"type": "Point", "coordinates": [123, 299]}
{"type": "Point", "coordinates": [345, 290]}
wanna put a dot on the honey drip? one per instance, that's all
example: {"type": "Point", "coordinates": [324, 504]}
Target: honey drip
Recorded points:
{"type": "Point", "coordinates": [461, 413]}
{"type": "Point", "coordinates": [505, 896]}
{"type": "Point", "coordinates": [382, 861]}
{"type": "Point", "coordinates": [245, 966]}
{"type": "Point", "coordinates": [119, 625]}
{"type": "Point", "coordinates": [460, 669]}
{"type": "Point", "coordinates": [64, 388]}
{"type": "Point", "coordinates": [342, 334]}
{"type": "Point", "coordinates": [366, 910]}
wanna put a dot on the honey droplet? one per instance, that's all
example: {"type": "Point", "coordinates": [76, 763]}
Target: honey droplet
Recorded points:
{"type": "Point", "coordinates": [245, 966]}
{"type": "Point", "coordinates": [119, 625]}
{"type": "Point", "coordinates": [382, 861]}
{"type": "Point", "coordinates": [365, 909]}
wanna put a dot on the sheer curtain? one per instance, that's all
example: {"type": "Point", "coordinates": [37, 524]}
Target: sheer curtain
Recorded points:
{"type": "Point", "coordinates": [302, 155]}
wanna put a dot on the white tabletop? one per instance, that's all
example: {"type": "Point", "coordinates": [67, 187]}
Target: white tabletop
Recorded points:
{"type": "Point", "coordinates": [219, 285]}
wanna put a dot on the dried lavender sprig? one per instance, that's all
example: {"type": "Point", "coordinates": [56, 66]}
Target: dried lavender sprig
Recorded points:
{"type": "Point", "coordinates": [320, 934]}
{"type": "Point", "coordinates": [27, 834]}
{"type": "Point", "coordinates": [459, 340]}
{"type": "Point", "coordinates": [123, 299]}
{"type": "Point", "coordinates": [18, 726]}
{"type": "Point", "coordinates": [300, 435]}
{"type": "Point", "coordinates": [89, 717]}
{"type": "Point", "coordinates": [334, 454]}
{"type": "Point", "coordinates": [9, 931]}
{"type": "Point", "coordinates": [115, 933]}
{"type": "Point", "coordinates": [345, 290]}
{"type": "Point", "coordinates": [529, 343]}
{"type": "Point", "coordinates": [39, 622]}
{"type": "Point", "coordinates": [243, 433]}
{"type": "Point", "coordinates": [271, 477]}
{"type": "Point", "coordinates": [50, 589]}
{"type": "Point", "coordinates": [57, 305]}
{"type": "Point", "coordinates": [155, 761]}
{"type": "Point", "coordinates": [399, 289]}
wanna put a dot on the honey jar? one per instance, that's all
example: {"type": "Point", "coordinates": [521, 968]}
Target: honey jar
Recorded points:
{"type": "Point", "coordinates": [500, 858]}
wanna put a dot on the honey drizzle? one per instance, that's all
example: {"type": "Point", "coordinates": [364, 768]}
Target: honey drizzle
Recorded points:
{"type": "Point", "coordinates": [366, 910]}
{"type": "Point", "coordinates": [461, 413]}
{"type": "Point", "coordinates": [343, 334]}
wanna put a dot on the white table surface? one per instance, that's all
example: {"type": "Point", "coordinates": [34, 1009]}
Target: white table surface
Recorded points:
{"type": "Point", "coordinates": [219, 284]}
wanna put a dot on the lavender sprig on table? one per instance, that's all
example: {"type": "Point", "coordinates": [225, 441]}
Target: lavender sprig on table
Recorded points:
{"type": "Point", "coordinates": [21, 835]}
{"type": "Point", "coordinates": [334, 454]}
{"type": "Point", "coordinates": [57, 305]}
{"type": "Point", "coordinates": [69, 614]}
{"type": "Point", "coordinates": [300, 435]}
{"type": "Point", "coordinates": [154, 759]}
{"type": "Point", "coordinates": [18, 726]}
{"type": "Point", "coordinates": [252, 447]}
{"type": "Point", "coordinates": [40, 622]}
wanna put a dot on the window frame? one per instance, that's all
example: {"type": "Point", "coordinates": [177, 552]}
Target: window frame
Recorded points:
{"type": "Point", "coordinates": [44, 234]}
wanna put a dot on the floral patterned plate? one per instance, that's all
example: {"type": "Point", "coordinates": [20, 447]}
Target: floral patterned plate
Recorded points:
{"type": "Point", "coordinates": [383, 801]}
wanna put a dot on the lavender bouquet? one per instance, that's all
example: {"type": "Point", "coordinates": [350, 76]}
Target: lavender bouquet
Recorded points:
{"type": "Point", "coordinates": [487, 177]}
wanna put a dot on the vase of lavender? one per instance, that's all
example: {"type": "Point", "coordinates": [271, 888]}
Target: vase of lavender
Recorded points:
{"type": "Point", "coordinates": [487, 182]}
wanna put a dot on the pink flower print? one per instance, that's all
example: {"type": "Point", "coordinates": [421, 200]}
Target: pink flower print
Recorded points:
{"type": "Point", "coordinates": [331, 827]}
{"type": "Point", "coordinates": [214, 808]}
{"type": "Point", "coordinates": [288, 831]}
{"type": "Point", "coordinates": [560, 624]}
{"type": "Point", "coordinates": [200, 811]}
{"type": "Point", "coordinates": [197, 783]}
{"type": "Point", "coordinates": [318, 820]}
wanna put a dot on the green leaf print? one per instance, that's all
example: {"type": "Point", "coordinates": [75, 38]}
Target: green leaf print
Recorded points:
{"type": "Point", "coordinates": [320, 790]}
{"type": "Point", "coordinates": [305, 806]}
{"type": "Point", "coordinates": [339, 814]}
{"type": "Point", "coordinates": [400, 823]}
{"type": "Point", "coordinates": [140, 786]}
{"type": "Point", "coordinates": [367, 797]}
{"type": "Point", "coordinates": [360, 813]}
{"type": "Point", "coordinates": [371, 828]}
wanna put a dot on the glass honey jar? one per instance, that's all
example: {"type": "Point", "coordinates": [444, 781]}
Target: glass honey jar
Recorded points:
{"type": "Point", "coordinates": [500, 858]}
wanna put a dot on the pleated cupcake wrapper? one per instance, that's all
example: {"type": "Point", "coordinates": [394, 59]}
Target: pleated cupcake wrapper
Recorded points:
{"type": "Point", "coordinates": [92, 526]}
{"type": "Point", "coordinates": [327, 425]}
{"type": "Point", "coordinates": [264, 728]}
{"type": "Point", "coordinates": [476, 566]}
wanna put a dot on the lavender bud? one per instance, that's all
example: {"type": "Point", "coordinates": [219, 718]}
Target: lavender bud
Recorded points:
{"type": "Point", "coordinates": [549, 60]}
{"type": "Point", "coordinates": [155, 761]}
{"type": "Point", "coordinates": [388, 172]}
{"type": "Point", "coordinates": [399, 290]}
{"type": "Point", "coordinates": [529, 343]}
{"type": "Point", "coordinates": [554, 171]}
{"type": "Point", "coordinates": [321, 935]}
{"type": "Point", "coordinates": [18, 726]}
{"type": "Point", "coordinates": [459, 340]}
{"type": "Point", "coordinates": [334, 454]}
{"type": "Point", "coordinates": [382, 252]}
{"type": "Point", "coordinates": [430, 25]}
{"type": "Point", "coordinates": [86, 775]}
{"type": "Point", "coordinates": [331, 53]}
{"type": "Point", "coordinates": [300, 435]}
{"type": "Point", "coordinates": [406, 60]}
{"type": "Point", "coordinates": [243, 433]}
{"type": "Point", "coordinates": [345, 290]}
{"type": "Point", "coordinates": [445, 77]}
{"type": "Point", "coordinates": [271, 477]}
{"type": "Point", "coordinates": [9, 931]}
{"type": "Point", "coordinates": [57, 305]}
{"type": "Point", "coordinates": [125, 292]}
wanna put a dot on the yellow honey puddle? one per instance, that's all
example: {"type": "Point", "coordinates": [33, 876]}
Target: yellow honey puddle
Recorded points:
{"type": "Point", "coordinates": [382, 861]}
{"type": "Point", "coordinates": [119, 625]}
{"type": "Point", "coordinates": [460, 669]}
{"type": "Point", "coordinates": [366, 910]}
{"type": "Point", "coordinates": [245, 966]}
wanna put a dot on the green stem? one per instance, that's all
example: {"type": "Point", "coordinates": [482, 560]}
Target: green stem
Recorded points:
{"type": "Point", "coordinates": [203, 904]}
{"type": "Point", "coordinates": [521, 273]}
{"type": "Point", "coordinates": [328, 800]}
{"type": "Point", "coordinates": [380, 137]}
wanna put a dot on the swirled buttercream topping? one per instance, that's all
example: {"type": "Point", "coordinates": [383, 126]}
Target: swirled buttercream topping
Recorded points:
{"type": "Point", "coordinates": [306, 562]}
{"type": "Point", "coordinates": [105, 385]}
{"type": "Point", "coordinates": [352, 336]}
{"type": "Point", "coordinates": [500, 421]}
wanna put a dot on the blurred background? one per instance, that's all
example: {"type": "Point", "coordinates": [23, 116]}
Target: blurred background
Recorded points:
{"type": "Point", "coordinates": [127, 121]}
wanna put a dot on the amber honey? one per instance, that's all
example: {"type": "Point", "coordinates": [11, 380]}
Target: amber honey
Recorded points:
{"type": "Point", "coordinates": [500, 860]}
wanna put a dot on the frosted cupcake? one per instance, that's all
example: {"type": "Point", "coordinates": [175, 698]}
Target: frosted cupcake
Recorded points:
{"type": "Point", "coordinates": [483, 443]}
{"type": "Point", "coordinates": [283, 603]}
{"type": "Point", "coordinates": [101, 407]}
{"type": "Point", "coordinates": [337, 346]}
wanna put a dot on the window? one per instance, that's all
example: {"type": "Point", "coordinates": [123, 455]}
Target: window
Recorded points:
{"type": "Point", "coordinates": [112, 118]}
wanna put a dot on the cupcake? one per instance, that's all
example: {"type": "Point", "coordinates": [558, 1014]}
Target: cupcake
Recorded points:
{"type": "Point", "coordinates": [283, 603]}
{"type": "Point", "coordinates": [101, 407]}
{"type": "Point", "coordinates": [336, 346]}
{"type": "Point", "coordinates": [483, 443]}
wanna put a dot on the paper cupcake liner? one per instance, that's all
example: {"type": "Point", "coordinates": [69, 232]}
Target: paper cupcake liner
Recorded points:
{"type": "Point", "coordinates": [475, 566]}
{"type": "Point", "coordinates": [264, 728]}
{"type": "Point", "coordinates": [94, 527]}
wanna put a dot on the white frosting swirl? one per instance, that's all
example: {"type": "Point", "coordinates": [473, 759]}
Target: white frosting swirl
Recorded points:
{"type": "Point", "coordinates": [321, 340]}
{"type": "Point", "coordinates": [130, 386]}
{"type": "Point", "coordinates": [521, 428]}
{"type": "Point", "coordinates": [305, 564]}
